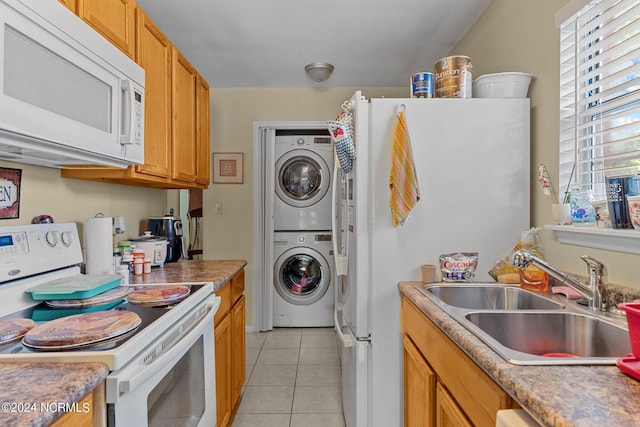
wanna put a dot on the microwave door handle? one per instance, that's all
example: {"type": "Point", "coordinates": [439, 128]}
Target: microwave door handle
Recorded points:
{"type": "Point", "coordinates": [126, 99]}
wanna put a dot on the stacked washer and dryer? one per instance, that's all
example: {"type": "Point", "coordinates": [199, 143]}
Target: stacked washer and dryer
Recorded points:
{"type": "Point", "coordinates": [303, 253]}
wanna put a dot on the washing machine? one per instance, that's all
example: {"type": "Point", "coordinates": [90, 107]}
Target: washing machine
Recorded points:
{"type": "Point", "coordinates": [303, 291]}
{"type": "Point", "coordinates": [304, 164]}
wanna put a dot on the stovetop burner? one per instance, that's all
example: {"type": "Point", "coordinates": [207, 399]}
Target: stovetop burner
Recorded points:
{"type": "Point", "coordinates": [42, 313]}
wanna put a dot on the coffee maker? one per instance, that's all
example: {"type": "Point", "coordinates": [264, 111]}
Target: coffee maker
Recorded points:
{"type": "Point", "coordinates": [170, 228]}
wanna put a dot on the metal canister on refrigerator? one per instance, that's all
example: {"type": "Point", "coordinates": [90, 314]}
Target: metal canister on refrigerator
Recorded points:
{"type": "Point", "coordinates": [422, 85]}
{"type": "Point", "coordinates": [454, 77]}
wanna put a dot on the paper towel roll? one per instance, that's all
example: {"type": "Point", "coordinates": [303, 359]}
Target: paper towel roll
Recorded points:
{"type": "Point", "coordinates": [98, 243]}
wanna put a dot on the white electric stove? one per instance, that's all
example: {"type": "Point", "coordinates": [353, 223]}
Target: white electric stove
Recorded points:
{"type": "Point", "coordinates": [169, 357]}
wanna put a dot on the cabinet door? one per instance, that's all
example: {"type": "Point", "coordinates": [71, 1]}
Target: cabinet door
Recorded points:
{"type": "Point", "coordinates": [238, 342]}
{"type": "Point", "coordinates": [222, 334]}
{"type": "Point", "coordinates": [153, 53]}
{"type": "Point", "coordinates": [448, 414]}
{"type": "Point", "coordinates": [94, 417]}
{"type": "Point", "coordinates": [419, 388]}
{"type": "Point", "coordinates": [203, 151]}
{"type": "Point", "coordinates": [183, 147]}
{"type": "Point", "coordinates": [114, 19]}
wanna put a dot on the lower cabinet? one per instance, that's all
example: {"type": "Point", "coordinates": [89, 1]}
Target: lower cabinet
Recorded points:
{"type": "Point", "coordinates": [229, 331]}
{"type": "Point", "coordinates": [95, 417]}
{"type": "Point", "coordinates": [419, 380]}
{"type": "Point", "coordinates": [238, 351]}
{"type": "Point", "coordinates": [223, 372]}
{"type": "Point", "coordinates": [443, 387]}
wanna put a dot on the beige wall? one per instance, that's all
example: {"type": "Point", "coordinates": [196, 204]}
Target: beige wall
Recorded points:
{"type": "Point", "coordinates": [233, 112]}
{"type": "Point", "coordinates": [71, 200]}
{"type": "Point", "coordinates": [520, 35]}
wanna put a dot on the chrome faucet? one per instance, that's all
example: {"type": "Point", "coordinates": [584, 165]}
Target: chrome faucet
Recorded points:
{"type": "Point", "coordinates": [595, 291]}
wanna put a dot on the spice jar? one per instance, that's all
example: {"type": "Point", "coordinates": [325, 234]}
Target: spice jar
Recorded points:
{"type": "Point", "coordinates": [127, 260]}
{"type": "Point", "coordinates": [147, 266]}
{"type": "Point", "coordinates": [123, 271]}
{"type": "Point", "coordinates": [138, 266]}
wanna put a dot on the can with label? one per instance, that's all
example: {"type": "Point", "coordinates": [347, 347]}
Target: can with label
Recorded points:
{"type": "Point", "coordinates": [422, 85]}
{"type": "Point", "coordinates": [453, 77]}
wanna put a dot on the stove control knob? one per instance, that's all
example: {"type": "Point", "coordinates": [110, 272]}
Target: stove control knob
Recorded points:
{"type": "Point", "coordinates": [67, 238]}
{"type": "Point", "coordinates": [52, 238]}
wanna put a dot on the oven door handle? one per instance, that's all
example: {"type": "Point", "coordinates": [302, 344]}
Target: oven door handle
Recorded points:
{"type": "Point", "coordinates": [142, 372]}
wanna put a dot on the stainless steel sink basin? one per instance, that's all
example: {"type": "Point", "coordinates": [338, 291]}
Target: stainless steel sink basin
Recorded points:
{"type": "Point", "coordinates": [556, 337]}
{"type": "Point", "coordinates": [528, 328]}
{"type": "Point", "coordinates": [491, 297]}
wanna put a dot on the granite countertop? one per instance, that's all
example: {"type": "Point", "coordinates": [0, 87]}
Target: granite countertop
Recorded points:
{"type": "Point", "coordinates": [217, 271]}
{"type": "Point", "coordinates": [559, 396]}
{"type": "Point", "coordinates": [67, 383]}
{"type": "Point", "coordinates": [30, 392]}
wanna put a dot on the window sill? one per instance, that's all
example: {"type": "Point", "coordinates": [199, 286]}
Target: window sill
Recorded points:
{"type": "Point", "coordinates": [600, 238]}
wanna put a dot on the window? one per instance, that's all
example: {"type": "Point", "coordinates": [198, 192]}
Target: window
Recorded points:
{"type": "Point", "coordinates": [599, 92]}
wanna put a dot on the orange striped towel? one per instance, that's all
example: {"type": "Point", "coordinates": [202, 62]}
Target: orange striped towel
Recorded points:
{"type": "Point", "coordinates": [403, 180]}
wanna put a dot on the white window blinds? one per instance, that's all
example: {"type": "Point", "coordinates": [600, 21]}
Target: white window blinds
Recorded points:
{"type": "Point", "coordinates": [600, 94]}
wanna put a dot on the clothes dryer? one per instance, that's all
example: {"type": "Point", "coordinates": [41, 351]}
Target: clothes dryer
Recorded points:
{"type": "Point", "coordinates": [302, 279]}
{"type": "Point", "coordinates": [302, 181]}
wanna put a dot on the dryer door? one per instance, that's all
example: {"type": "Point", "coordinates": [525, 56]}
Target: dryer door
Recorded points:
{"type": "Point", "coordinates": [302, 178]}
{"type": "Point", "coordinates": [301, 276]}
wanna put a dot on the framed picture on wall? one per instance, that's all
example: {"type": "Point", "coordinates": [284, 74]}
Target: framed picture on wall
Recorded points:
{"type": "Point", "coordinates": [10, 193]}
{"type": "Point", "coordinates": [228, 168]}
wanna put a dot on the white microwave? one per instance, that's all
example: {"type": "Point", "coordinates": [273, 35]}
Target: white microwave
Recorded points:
{"type": "Point", "coordinates": [67, 95]}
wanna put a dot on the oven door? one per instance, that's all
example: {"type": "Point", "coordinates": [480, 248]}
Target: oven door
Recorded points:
{"type": "Point", "coordinates": [174, 386]}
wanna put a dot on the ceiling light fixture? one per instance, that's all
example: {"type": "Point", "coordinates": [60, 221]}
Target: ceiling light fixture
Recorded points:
{"type": "Point", "coordinates": [319, 71]}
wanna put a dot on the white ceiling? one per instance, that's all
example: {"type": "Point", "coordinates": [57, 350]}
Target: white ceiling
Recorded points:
{"type": "Point", "coordinates": [267, 43]}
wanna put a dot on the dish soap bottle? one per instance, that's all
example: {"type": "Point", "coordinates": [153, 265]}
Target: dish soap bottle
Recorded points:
{"type": "Point", "coordinates": [532, 278]}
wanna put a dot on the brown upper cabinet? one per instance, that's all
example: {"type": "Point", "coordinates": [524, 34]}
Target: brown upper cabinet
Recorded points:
{"type": "Point", "coordinates": [114, 19]}
{"type": "Point", "coordinates": [183, 118]}
{"type": "Point", "coordinates": [177, 129]}
{"type": "Point", "coordinates": [203, 156]}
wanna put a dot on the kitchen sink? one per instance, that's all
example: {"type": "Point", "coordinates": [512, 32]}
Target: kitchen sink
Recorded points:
{"type": "Point", "coordinates": [529, 328]}
{"type": "Point", "coordinates": [491, 297]}
{"type": "Point", "coordinates": [551, 337]}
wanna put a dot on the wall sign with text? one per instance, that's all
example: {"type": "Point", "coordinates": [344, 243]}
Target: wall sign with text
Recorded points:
{"type": "Point", "coordinates": [10, 193]}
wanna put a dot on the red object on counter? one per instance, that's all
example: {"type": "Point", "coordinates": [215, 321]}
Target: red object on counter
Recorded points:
{"type": "Point", "coordinates": [633, 321]}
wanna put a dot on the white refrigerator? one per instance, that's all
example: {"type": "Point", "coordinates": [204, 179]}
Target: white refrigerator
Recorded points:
{"type": "Point", "coordinates": [472, 162]}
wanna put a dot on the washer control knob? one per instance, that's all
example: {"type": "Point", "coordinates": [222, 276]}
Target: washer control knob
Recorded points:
{"type": "Point", "coordinates": [300, 141]}
{"type": "Point", "coordinates": [52, 238]}
{"type": "Point", "coordinates": [301, 238]}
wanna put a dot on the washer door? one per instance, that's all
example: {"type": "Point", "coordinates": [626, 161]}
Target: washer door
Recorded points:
{"type": "Point", "coordinates": [302, 178]}
{"type": "Point", "coordinates": [301, 276]}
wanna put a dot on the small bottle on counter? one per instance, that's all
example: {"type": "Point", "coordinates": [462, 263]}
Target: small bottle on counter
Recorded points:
{"type": "Point", "coordinates": [123, 270]}
{"type": "Point", "coordinates": [138, 266]}
{"type": "Point", "coordinates": [127, 259]}
{"type": "Point", "coordinates": [147, 266]}
{"type": "Point", "coordinates": [137, 253]}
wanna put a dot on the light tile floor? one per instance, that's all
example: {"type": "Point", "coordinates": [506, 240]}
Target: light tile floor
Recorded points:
{"type": "Point", "coordinates": [293, 380]}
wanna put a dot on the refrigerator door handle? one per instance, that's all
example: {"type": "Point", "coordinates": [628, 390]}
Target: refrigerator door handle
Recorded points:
{"type": "Point", "coordinates": [347, 340]}
{"type": "Point", "coordinates": [340, 259]}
